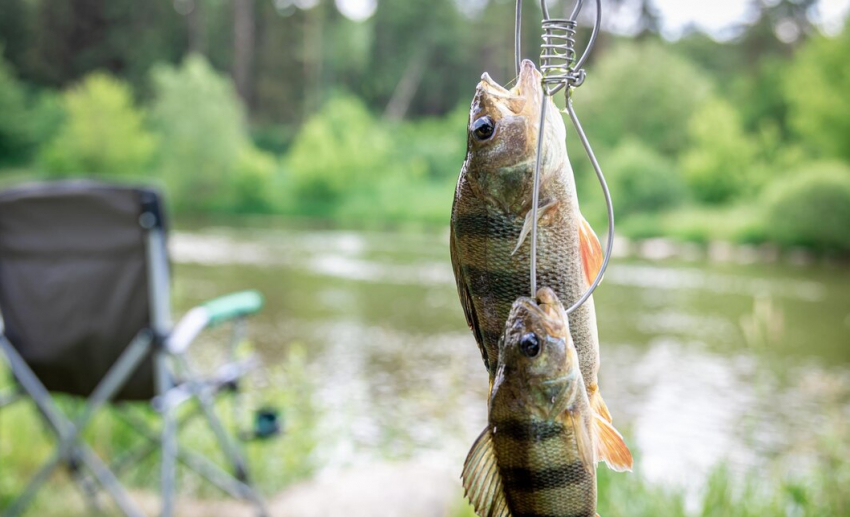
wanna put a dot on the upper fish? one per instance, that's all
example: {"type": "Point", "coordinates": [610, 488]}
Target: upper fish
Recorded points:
{"type": "Point", "coordinates": [491, 222]}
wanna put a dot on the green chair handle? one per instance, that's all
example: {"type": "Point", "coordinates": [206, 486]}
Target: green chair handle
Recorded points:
{"type": "Point", "coordinates": [233, 306]}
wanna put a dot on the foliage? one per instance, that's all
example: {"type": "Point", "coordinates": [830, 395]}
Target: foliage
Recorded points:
{"type": "Point", "coordinates": [642, 180]}
{"type": "Point", "coordinates": [346, 164]}
{"type": "Point", "coordinates": [201, 122]}
{"type": "Point", "coordinates": [816, 89]}
{"type": "Point", "coordinates": [249, 185]}
{"type": "Point", "coordinates": [717, 164]}
{"type": "Point", "coordinates": [810, 207]}
{"type": "Point", "coordinates": [643, 91]}
{"type": "Point", "coordinates": [20, 128]}
{"type": "Point", "coordinates": [340, 148]}
{"type": "Point", "coordinates": [104, 133]}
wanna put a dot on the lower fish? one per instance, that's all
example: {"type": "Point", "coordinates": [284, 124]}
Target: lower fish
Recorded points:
{"type": "Point", "coordinates": [538, 454]}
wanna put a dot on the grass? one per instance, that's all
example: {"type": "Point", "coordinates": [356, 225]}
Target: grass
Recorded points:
{"type": "Point", "coordinates": [25, 443]}
{"type": "Point", "coordinates": [824, 491]}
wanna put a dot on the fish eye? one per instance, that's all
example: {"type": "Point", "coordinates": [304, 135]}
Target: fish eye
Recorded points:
{"type": "Point", "coordinates": [483, 128]}
{"type": "Point", "coordinates": [529, 345]}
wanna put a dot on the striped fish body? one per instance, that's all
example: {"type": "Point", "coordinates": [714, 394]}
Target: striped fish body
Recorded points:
{"type": "Point", "coordinates": [539, 462]}
{"type": "Point", "coordinates": [484, 237]}
{"type": "Point", "coordinates": [536, 456]}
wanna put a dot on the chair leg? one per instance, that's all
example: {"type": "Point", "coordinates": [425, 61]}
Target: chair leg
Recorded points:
{"type": "Point", "coordinates": [232, 452]}
{"type": "Point", "coordinates": [169, 460]}
{"type": "Point", "coordinates": [86, 485]}
{"type": "Point", "coordinates": [109, 482]}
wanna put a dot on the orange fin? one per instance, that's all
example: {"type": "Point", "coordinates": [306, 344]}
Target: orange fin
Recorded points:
{"type": "Point", "coordinates": [598, 405]}
{"type": "Point", "coordinates": [610, 446]}
{"type": "Point", "coordinates": [591, 250]}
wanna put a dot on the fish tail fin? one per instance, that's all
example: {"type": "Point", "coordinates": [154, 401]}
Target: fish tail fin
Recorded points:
{"type": "Point", "coordinates": [598, 405]}
{"type": "Point", "coordinates": [610, 446]}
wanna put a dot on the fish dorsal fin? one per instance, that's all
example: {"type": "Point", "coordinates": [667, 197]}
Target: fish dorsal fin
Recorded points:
{"type": "Point", "coordinates": [526, 226]}
{"type": "Point", "coordinates": [610, 446]}
{"type": "Point", "coordinates": [482, 482]}
{"type": "Point", "coordinates": [584, 441]}
{"type": "Point", "coordinates": [591, 250]}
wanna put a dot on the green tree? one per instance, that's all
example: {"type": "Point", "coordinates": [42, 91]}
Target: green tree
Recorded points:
{"type": "Point", "coordinates": [200, 119]}
{"type": "Point", "coordinates": [816, 85]}
{"type": "Point", "coordinates": [340, 147]}
{"type": "Point", "coordinates": [104, 133]}
{"type": "Point", "coordinates": [16, 131]}
{"type": "Point", "coordinates": [643, 91]}
{"type": "Point", "coordinates": [717, 164]}
{"type": "Point", "coordinates": [206, 158]}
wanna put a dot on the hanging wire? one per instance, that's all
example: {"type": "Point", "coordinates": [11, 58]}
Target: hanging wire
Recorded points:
{"type": "Point", "coordinates": [518, 37]}
{"type": "Point", "coordinates": [561, 70]}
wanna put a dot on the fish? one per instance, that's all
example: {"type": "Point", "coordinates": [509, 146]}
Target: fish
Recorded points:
{"type": "Point", "coordinates": [537, 455]}
{"type": "Point", "coordinates": [492, 217]}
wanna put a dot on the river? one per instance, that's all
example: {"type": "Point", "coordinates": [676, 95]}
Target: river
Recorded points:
{"type": "Point", "coordinates": [701, 362]}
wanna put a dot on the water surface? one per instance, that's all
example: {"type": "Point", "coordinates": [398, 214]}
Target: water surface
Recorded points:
{"type": "Point", "coordinates": [701, 362]}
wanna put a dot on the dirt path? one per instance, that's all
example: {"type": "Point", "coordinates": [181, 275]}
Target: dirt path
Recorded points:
{"type": "Point", "coordinates": [384, 490]}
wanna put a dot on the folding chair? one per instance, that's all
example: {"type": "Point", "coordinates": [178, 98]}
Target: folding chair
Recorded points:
{"type": "Point", "coordinates": [84, 298]}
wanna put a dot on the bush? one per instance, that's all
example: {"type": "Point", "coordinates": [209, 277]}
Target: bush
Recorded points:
{"type": "Point", "coordinates": [249, 185]}
{"type": "Point", "coordinates": [103, 132]}
{"type": "Point", "coordinates": [816, 86]}
{"type": "Point", "coordinates": [719, 163]}
{"type": "Point", "coordinates": [810, 208]}
{"type": "Point", "coordinates": [16, 135]}
{"type": "Point", "coordinates": [644, 91]}
{"type": "Point", "coordinates": [641, 180]}
{"type": "Point", "coordinates": [201, 121]}
{"type": "Point", "coordinates": [339, 148]}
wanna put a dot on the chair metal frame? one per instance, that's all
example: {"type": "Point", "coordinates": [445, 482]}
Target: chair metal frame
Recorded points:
{"type": "Point", "coordinates": [175, 384]}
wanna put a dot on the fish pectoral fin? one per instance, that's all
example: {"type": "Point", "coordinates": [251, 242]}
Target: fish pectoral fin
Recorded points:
{"type": "Point", "coordinates": [482, 483]}
{"type": "Point", "coordinates": [598, 405]}
{"type": "Point", "coordinates": [591, 250]}
{"type": "Point", "coordinates": [527, 225]}
{"type": "Point", "coordinates": [584, 441]}
{"type": "Point", "coordinates": [610, 446]}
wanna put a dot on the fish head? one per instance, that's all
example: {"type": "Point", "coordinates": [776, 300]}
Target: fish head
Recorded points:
{"type": "Point", "coordinates": [502, 139]}
{"type": "Point", "coordinates": [538, 360]}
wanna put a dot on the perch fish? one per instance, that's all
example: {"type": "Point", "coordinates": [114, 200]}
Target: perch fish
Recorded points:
{"type": "Point", "coordinates": [537, 455]}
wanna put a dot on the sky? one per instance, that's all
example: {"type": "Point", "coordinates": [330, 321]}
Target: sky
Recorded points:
{"type": "Point", "coordinates": [715, 17]}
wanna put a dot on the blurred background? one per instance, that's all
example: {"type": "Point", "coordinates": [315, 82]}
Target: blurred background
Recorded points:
{"type": "Point", "coordinates": [310, 148]}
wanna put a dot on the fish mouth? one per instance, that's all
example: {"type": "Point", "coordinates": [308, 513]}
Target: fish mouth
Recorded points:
{"type": "Point", "coordinates": [526, 89]}
{"type": "Point", "coordinates": [542, 310]}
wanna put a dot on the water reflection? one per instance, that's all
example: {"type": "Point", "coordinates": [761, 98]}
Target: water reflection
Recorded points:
{"type": "Point", "coordinates": [398, 374]}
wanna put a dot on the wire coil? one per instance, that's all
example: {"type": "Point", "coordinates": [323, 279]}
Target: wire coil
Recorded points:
{"type": "Point", "coordinates": [558, 54]}
{"type": "Point", "coordinates": [561, 69]}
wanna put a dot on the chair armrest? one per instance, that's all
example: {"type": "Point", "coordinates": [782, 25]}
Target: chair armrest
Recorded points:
{"type": "Point", "coordinates": [233, 306]}
{"type": "Point", "coordinates": [212, 313]}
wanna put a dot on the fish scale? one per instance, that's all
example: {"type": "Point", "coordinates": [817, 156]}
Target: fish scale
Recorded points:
{"type": "Point", "coordinates": [485, 238]}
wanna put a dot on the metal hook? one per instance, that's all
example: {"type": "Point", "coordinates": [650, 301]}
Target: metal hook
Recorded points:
{"type": "Point", "coordinates": [561, 70]}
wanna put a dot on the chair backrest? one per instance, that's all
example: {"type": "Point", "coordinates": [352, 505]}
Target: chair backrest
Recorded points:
{"type": "Point", "coordinates": [74, 275]}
